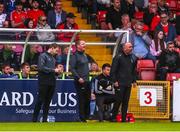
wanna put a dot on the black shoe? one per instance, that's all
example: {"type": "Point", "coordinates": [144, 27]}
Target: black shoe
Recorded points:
{"type": "Point", "coordinates": [113, 120]}
{"type": "Point", "coordinates": [101, 120]}
{"type": "Point", "coordinates": [91, 117]}
{"type": "Point", "coordinates": [83, 120]}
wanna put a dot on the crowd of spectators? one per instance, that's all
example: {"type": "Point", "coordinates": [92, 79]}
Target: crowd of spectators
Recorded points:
{"type": "Point", "coordinates": [150, 35]}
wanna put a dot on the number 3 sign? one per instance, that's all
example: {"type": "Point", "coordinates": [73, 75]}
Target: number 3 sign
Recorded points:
{"type": "Point", "coordinates": [148, 97]}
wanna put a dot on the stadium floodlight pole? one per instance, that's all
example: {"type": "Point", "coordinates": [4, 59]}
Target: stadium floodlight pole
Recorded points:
{"type": "Point", "coordinates": [69, 51]}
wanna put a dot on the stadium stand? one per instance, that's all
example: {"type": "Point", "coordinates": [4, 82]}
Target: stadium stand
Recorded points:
{"type": "Point", "coordinates": [146, 70]}
{"type": "Point", "coordinates": [100, 53]}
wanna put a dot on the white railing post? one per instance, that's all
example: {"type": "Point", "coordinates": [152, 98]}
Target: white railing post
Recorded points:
{"type": "Point", "coordinates": [69, 51]}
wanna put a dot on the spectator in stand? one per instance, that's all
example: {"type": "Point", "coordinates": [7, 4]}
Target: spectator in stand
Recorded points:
{"type": "Point", "coordinates": [100, 5]}
{"type": "Point", "coordinates": [25, 71]}
{"type": "Point", "coordinates": [177, 44]}
{"type": "Point", "coordinates": [94, 67]}
{"type": "Point", "coordinates": [155, 21]}
{"type": "Point", "coordinates": [28, 23]}
{"type": "Point", "coordinates": [60, 75]}
{"type": "Point", "coordinates": [113, 13]}
{"type": "Point", "coordinates": [126, 25]}
{"type": "Point", "coordinates": [141, 4]}
{"type": "Point", "coordinates": [162, 7]}
{"type": "Point", "coordinates": [149, 13]}
{"type": "Point", "coordinates": [26, 5]}
{"type": "Point", "coordinates": [18, 16]}
{"type": "Point", "coordinates": [56, 16]}
{"type": "Point", "coordinates": [169, 61]}
{"type": "Point", "coordinates": [10, 57]}
{"type": "Point", "coordinates": [7, 72]}
{"type": "Point", "coordinates": [46, 5]}
{"type": "Point", "coordinates": [35, 12]}
{"type": "Point", "coordinates": [44, 36]}
{"type": "Point", "coordinates": [94, 71]}
{"type": "Point", "coordinates": [59, 56]}
{"type": "Point", "coordinates": [3, 15]}
{"type": "Point", "coordinates": [6, 35]}
{"type": "Point", "coordinates": [158, 44]}
{"type": "Point", "coordinates": [9, 5]}
{"type": "Point", "coordinates": [6, 24]}
{"type": "Point", "coordinates": [68, 24]}
{"type": "Point", "coordinates": [141, 42]}
{"type": "Point", "coordinates": [32, 55]}
{"type": "Point", "coordinates": [168, 28]}
{"type": "Point", "coordinates": [128, 7]}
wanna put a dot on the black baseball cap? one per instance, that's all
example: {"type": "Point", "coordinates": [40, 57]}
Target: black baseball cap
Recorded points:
{"type": "Point", "coordinates": [70, 15]}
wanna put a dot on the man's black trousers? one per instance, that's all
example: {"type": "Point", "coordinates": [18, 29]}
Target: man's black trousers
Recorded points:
{"type": "Point", "coordinates": [122, 98]}
{"type": "Point", "coordinates": [83, 92]}
{"type": "Point", "coordinates": [101, 100]}
{"type": "Point", "coordinates": [44, 98]}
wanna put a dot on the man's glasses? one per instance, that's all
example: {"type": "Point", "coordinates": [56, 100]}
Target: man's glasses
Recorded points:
{"type": "Point", "coordinates": [43, 20]}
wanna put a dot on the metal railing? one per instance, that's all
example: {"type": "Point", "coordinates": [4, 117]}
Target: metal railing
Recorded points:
{"type": "Point", "coordinates": [27, 42]}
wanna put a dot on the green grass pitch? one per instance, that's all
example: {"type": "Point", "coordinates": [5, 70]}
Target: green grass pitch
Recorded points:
{"type": "Point", "coordinates": [91, 126]}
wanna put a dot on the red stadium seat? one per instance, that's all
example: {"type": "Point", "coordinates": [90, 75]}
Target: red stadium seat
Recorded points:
{"type": "Point", "coordinates": [146, 69]}
{"type": "Point", "coordinates": [172, 4]}
{"type": "Point", "coordinates": [172, 76]}
{"type": "Point", "coordinates": [178, 6]}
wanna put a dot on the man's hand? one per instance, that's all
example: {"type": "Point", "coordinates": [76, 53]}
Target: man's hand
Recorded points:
{"type": "Point", "coordinates": [81, 80]}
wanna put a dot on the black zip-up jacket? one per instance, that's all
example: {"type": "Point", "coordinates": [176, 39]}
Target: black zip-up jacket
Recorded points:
{"type": "Point", "coordinates": [103, 85]}
{"type": "Point", "coordinates": [123, 70]}
{"type": "Point", "coordinates": [79, 66]}
{"type": "Point", "coordinates": [46, 66]}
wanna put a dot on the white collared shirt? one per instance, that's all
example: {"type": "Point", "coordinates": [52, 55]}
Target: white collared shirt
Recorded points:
{"type": "Point", "coordinates": [2, 19]}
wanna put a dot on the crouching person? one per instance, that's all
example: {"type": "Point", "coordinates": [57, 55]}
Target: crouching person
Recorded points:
{"type": "Point", "coordinates": [103, 90]}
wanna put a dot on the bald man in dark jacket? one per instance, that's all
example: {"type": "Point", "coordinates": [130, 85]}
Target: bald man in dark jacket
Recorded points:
{"type": "Point", "coordinates": [123, 76]}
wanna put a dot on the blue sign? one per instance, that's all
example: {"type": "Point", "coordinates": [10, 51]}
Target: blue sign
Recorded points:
{"type": "Point", "coordinates": [18, 97]}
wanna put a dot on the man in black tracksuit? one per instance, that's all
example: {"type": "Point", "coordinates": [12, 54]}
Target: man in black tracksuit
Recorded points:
{"type": "Point", "coordinates": [80, 71]}
{"type": "Point", "coordinates": [103, 90]}
{"type": "Point", "coordinates": [46, 81]}
{"type": "Point", "coordinates": [123, 76]}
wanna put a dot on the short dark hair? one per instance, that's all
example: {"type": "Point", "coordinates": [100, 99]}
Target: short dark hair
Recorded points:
{"type": "Point", "coordinates": [56, 1]}
{"type": "Point", "coordinates": [24, 64]}
{"type": "Point", "coordinates": [105, 65]}
{"type": "Point", "coordinates": [77, 42]}
{"type": "Point", "coordinates": [163, 12]}
{"type": "Point", "coordinates": [5, 65]}
{"type": "Point", "coordinates": [53, 45]}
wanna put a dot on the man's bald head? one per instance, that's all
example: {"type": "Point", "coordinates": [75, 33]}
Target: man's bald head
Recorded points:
{"type": "Point", "coordinates": [127, 48]}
